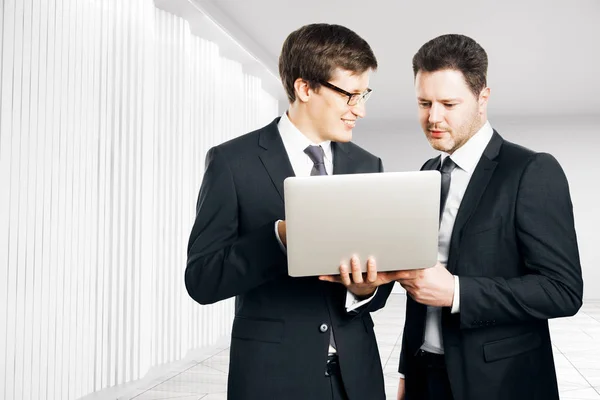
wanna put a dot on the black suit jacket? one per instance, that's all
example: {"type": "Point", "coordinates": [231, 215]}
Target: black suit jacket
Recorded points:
{"type": "Point", "coordinates": [277, 349]}
{"type": "Point", "coordinates": [514, 250]}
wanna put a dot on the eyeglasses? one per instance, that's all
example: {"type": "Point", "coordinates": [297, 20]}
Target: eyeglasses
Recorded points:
{"type": "Point", "coordinates": [353, 98]}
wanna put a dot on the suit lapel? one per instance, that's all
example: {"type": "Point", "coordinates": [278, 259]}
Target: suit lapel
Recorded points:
{"type": "Point", "coordinates": [342, 160]}
{"type": "Point", "coordinates": [275, 158]}
{"type": "Point", "coordinates": [432, 164]}
{"type": "Point", "coordinates": [477, 185]}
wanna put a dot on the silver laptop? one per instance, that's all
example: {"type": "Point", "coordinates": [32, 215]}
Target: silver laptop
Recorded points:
{"type": "Point", "coordinates": [392, 216]}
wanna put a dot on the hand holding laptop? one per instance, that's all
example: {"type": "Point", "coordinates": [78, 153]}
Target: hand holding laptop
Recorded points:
{"type": "Point", "coordinates": [359, 283]}
{"type": "Point", "coordinates": [430, 286]}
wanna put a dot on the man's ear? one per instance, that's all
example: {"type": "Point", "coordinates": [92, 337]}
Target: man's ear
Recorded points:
{"type": "Point", "coordinates": [484, 96]}
{"type": "Point", "coordinates": [302, 89]}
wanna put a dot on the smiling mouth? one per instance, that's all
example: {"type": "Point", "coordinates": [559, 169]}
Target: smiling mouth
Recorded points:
{"type": "Point", "coordinates": [349, 122]}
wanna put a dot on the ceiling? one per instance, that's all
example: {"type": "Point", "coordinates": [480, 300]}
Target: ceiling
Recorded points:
{"type": "Point", "coordinates": [544, 56]}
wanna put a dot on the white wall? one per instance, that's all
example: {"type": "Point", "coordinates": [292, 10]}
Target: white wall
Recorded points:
{"type": "Point", "coordinates": [573, 140]}
{"type": "Point", "coordinates": [107, 109]}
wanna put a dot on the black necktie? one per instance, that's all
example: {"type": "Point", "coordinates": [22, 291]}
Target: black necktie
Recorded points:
{"type": "Point", "coordinates": [317, 156]}
{"type": "Point", "coordinates": [446, 170]}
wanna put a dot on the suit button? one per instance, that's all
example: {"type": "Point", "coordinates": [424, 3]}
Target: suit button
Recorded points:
{"type": "Point", "coordinates": [323, 328]}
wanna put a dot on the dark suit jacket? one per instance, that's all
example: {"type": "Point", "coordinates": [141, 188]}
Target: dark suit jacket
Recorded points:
{"type": "Point", "coordinates": [514, 250]}
{"type": "Point", "coordinates": [277, 349]}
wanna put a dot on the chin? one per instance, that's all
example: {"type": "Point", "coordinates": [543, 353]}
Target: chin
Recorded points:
{"type": "Point", "coordinates": [440, 145]}
{"type": "Point", "coordinates": [342, 137]}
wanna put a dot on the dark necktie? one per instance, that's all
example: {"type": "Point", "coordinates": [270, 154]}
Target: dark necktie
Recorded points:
{"type": "Point", "coordinates": [317, 156]}
{"type": "Point", "coordinates": [446, 170]}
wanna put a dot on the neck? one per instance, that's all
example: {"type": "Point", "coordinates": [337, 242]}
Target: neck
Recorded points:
{"type": "Point", "coordinates": [301, 120]}
{"type": "Point", "coordinates": [478, 127]}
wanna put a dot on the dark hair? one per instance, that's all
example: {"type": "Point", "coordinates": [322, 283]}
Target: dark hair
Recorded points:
{"type": "Point", "coordinates": [314, 51]}
{"type": "Point", "coordinates": [457, 52]}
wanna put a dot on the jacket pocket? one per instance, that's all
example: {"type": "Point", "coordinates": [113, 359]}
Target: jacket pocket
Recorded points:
{"type": "Point", "coordinates": [259, 329]}
{"type": "Point", "coordinates": [510, 347]}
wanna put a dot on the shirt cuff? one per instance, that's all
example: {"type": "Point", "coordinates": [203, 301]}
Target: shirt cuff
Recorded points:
{"type": "Point", "coordinates": [277, 236]}
{"type": "Point", "coordinates": [352, 302]}
{"type": "Point", "coordinates": [456, 301]}
{"type": "Point", "coordinates": [401, 375]}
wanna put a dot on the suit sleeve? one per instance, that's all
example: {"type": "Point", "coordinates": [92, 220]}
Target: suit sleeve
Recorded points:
{"type": "Point", "coordinates": [220, 263]}
{"type": "Point", "coordinates": [380, 298]}
{"type": "Point", "coordinates": [553, 286]}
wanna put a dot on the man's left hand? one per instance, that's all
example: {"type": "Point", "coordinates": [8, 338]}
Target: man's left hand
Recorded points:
{"type": "Point", "coordinates": [430, 286]}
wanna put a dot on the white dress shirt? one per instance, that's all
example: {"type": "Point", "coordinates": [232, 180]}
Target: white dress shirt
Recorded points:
{"type": "Point", "coordinates": [295, 143]}
{"type": "Point", "coordinates": [466, 159]}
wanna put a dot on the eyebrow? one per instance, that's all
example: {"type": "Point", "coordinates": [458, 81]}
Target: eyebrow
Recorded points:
{"type": "Point", "coordinates": [455, 100]}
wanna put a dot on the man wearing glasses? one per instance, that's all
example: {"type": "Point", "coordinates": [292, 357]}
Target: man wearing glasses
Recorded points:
{"type": "Point", "coordinates": [292, 338]}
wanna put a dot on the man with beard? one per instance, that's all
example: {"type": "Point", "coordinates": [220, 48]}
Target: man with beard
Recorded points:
{"type": "Point", "coordinates": [477, 322]}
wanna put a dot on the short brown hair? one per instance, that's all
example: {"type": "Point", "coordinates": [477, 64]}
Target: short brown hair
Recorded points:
{"type": "Point", "coordinates": [457, 52]}
{"type": "Point", "coordinates": [314, 51]}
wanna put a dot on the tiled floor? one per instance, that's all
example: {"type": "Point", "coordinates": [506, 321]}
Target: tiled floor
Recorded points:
{"type": "Point", "coordinates": [204, 376]}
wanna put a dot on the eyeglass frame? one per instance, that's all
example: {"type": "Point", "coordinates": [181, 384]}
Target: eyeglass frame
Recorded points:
{"type": "Point", "coordinates": [362, 97]}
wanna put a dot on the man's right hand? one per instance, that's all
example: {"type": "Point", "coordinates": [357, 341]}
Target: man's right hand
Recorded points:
{"type": "Point", "coordinates": [401, 392]}
{"type": "Point", "coordinates": [282, 232]}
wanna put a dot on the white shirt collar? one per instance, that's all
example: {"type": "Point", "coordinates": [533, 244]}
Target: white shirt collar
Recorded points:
{"type": "Point", "coordinates": [468, 155]}
{"type": "Point", "coordinates": [294, 139]}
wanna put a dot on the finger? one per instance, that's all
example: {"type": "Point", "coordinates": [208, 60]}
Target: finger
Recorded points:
{"type": "Point", "coordinates": [406, 275]}
{"type": "Point", "coordinates": [330, 278]}
{"type": "Point", "coordinates": [398, 275]}
{"type": "Point", "coordinates": [345, 275]}
{"type": "Point", "coordinates": [371, 270]}
{"type": "Point", "coordinates": [407, 285]}
{"type": "Point", "coordinates": [356, 273]}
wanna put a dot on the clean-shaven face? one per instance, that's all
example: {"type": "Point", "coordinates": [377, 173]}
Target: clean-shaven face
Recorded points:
{"type": "Point", "coordinates": [332, 118]}
{"type": "Point", "coordinates": [449, 113]}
